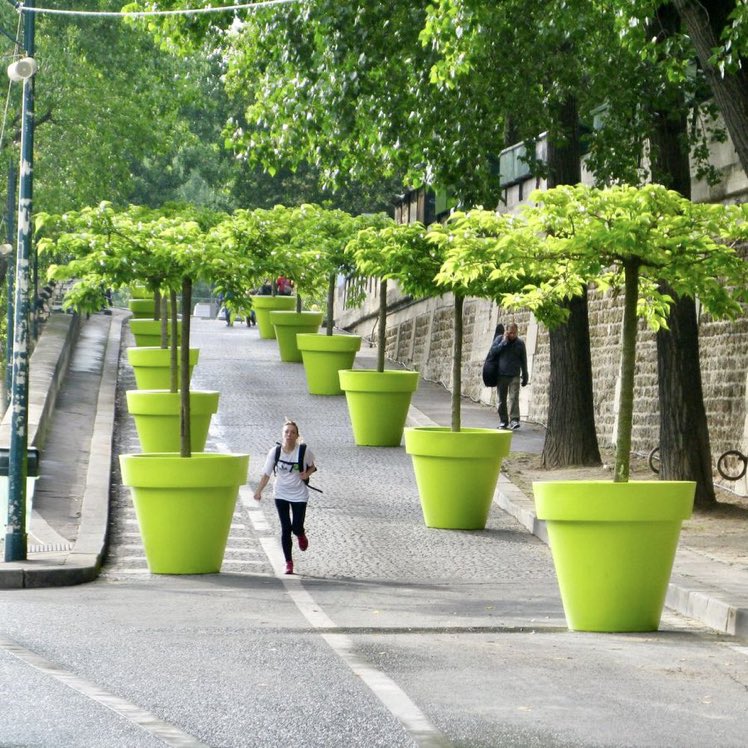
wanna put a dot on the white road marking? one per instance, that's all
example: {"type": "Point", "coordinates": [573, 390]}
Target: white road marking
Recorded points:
{"type": "Point", "coordinates": [395, 700]}
{"type": "Point", "coordinates": [147, 721]}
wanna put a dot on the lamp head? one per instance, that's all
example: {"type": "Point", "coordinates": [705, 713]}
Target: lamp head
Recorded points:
{"type": "Point", "coordinates": [22, 69]}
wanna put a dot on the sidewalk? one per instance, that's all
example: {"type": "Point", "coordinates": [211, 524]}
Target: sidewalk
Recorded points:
{"type": "Point", "coordinates": [71, 417]}
{"type": "Point", "coordinates": [67, 541]}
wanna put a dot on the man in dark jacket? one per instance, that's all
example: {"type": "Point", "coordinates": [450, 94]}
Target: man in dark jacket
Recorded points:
{"type": "Point", "coordinates": [512, 365]}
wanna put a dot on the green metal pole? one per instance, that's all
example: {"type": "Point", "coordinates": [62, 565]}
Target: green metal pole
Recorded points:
{"type": "Point", "coordinates": [11, 275]}
{"type": "Point", "coordinates": [15, 536]}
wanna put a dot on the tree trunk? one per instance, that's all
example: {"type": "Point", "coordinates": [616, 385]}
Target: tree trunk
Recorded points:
{"type": "Point", "coordinates": [173, 357]}
{"type": "Point", "coordinates": [163, 318]}
{"type": "Point", "coordinates": [184, 371]}
{"type": "Point", "coordinates": [685, 452]}
{"type": "Point", "coordinates": [330, 303]}
{"type": "Point", "coordinates": [457, 363]}
{"type": "Point", "coordinates": [628, 366]}
{"type": "Point", "coordinates": [571, 438]}
{"type": "Point", "coordinates": [382, 330]}
{"type": "Point", "coordinates": [704, 21]}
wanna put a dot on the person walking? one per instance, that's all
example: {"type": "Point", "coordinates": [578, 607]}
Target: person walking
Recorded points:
{"type": "Point", "coordinates": [511, 354]}
{"type": "Point", "coordinates": [292, 463]}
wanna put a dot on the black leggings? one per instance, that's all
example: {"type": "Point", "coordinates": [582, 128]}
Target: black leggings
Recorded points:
{"type": "Point", "coordinates": [295, 526]}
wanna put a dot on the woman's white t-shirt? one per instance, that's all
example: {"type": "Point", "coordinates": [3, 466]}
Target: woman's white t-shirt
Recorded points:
{"type": "Point", "coordinates": [288, 485]}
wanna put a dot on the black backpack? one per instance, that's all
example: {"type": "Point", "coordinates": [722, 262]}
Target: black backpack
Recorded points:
{"type": "Point", "coordinates": [302, 452]}
{"type": "Point", "coordinates": [491, 367]}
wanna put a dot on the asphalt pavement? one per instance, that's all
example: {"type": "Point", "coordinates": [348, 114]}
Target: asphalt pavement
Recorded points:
{"type": "Point", "coordinates": [69, 520]}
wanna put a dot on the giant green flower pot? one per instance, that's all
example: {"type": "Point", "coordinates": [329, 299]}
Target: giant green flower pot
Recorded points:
{"type": "Point", "coordinates": [456, 473]}
{"type": "Point", "coordinates": [324, 356]}
{"type": "Point", "coordinates": [157, 418]}
{"type": "Point", "coordinates": [184, 507]}
{"type": "Point", "coordinates": [378, 403]}
{"type": "Point", "coordinates": [142, 308]}
{"type": "Point", "coordinates": [147, 332]}
{"type": "Point", "coordinates": [263, 305]}
{"type": "Point", "coordinates": [613, 546]}
{"type": "Point", "coordinates": [152, 366]}
{"type": "Point", "coordinates": [288, 325]}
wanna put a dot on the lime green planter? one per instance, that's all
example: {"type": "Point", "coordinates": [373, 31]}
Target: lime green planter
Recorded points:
{"type": "Point", "coordinates": [613, 546]}
{"type": "Point", "coordinates": [263, 305]}
{"type": "Point", "coordinates": [184, 507]}
{"type": "Point", "coordinates": [287, 325]}
{"type": "Point", "coordinates": [142, 308]}
{"type": "Point", "coordinates": [152, 366]}
{"type": "Point", "coordinates": [324, 356]}
{"type": "Point", "coordinates": [147, 332]}
{"type": "Point", "coordinates": [456, 473]}
{"type": "Point", "coordinates": [157, 418]}
{"type": "Point", "coordinates": [378, 404]}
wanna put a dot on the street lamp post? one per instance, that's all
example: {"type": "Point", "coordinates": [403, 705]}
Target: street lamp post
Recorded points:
{"type": "Point", "coordinates": [15, 536]}
{"type": "Point", "coordinates": [11, 282]}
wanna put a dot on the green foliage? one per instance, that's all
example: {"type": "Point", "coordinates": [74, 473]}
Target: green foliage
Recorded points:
{"type": "Point", "coordinates": [620, 239]}
{"type": "Point", "coordinates": [105, 101]}
{"type": "Point", "coordinates": [400, 252]}
{"type": "Point", "coordinates": [107, 248]}
{"type": "Point", "coordinates": [305, 243]}
{"type": "Point", "coordinates": [475, 263]}
{"type": "Point", "coordinates": [579, 235]}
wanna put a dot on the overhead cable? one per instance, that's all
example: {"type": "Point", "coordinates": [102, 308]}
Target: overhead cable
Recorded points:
{"type": "Point", "coordinates": [142, 13]}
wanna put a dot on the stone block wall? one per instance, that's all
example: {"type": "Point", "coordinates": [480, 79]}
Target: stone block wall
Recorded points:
{"type": "Point", "coordinates": [419, 336]}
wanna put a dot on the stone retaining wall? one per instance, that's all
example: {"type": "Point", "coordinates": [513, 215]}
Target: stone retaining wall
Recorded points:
{"type": "Point", "coordinates": [419, 335]}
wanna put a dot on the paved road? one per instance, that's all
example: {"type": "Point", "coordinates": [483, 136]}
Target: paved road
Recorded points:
{"type": "Point", "coordinates": [390, 635]}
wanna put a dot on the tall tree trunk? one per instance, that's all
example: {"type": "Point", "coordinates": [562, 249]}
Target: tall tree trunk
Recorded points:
{"type": "Point", "coordinates": [571, 438]}
{"type": "Point", "coordinates": [330, 303]}
{"type": "Point", "coordinates": [382, 329]}
{"type": "Point", "coordinates": [457, 362]}
{"type": "Point", "coordinates": [174, 342]}
{"type": "Point", "coordinates": [184, 372]}
{"type": "Point", "coordinates": [685, 452]}
{"type": "Point", "coordinates": [704, 21]}
{"type": "Point", "coordinates": [164, 320]}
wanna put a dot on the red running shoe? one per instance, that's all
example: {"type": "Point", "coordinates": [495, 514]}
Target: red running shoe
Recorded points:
{"type": "Point", "coordinates": [303, 542]}
{"type": "Point", "coordinates": [289, 567]}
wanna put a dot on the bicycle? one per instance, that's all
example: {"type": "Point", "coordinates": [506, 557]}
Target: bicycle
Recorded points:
{"type": "Point", "coordinates": [731, 465]}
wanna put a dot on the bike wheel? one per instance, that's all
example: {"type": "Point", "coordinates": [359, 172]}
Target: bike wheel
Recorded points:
{"type": "Point", "coordinates": [654, 460]}
{"type": "Point", "coordinates": [732, 465]}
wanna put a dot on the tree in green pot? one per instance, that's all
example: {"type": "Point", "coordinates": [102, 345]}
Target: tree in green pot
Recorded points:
{"type": "Point", "coordinates": [294, 262]}
{"type": "Point", "coordinates": [184, 501]}
{"type": "Point", "coordinates": [185, 524]}
{"type": "Point", "coordinates": [263, 239]}
{"type": "Point", "coordinates": [613, 543]}
{"type": "Point", "coordinates": [322, 237]}
{"type": "Point", "coordinates": [259, 237]}
{"type": "Point", "coordinates": [378, 400]}
{"type": "Point", "coordinates": [112, 248]}
{"type": "Point", "coordinates": [456, 468]}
